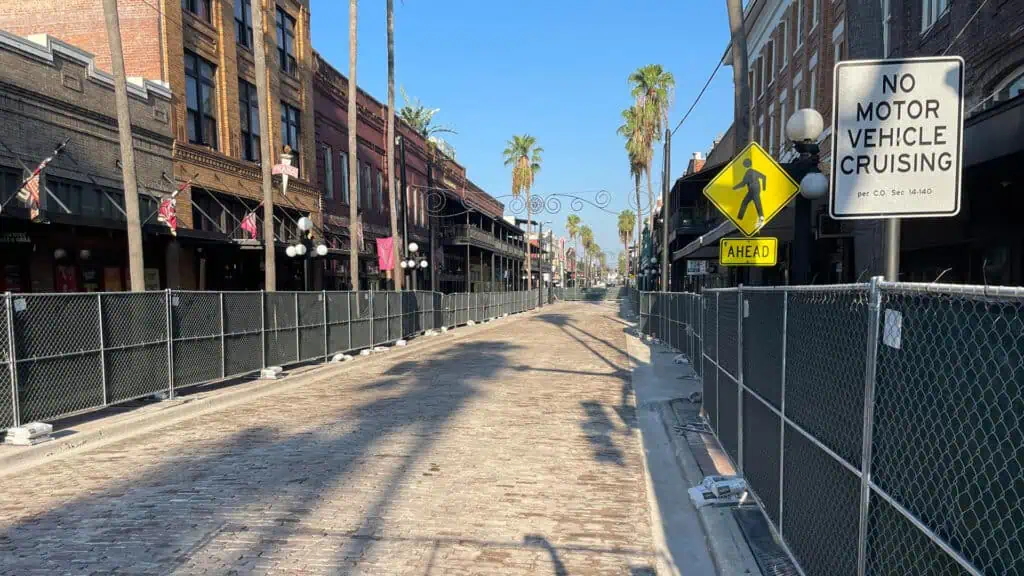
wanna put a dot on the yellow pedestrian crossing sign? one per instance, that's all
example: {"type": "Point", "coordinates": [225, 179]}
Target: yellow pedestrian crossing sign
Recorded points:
{"type": "Point", "coordinates": [751, 190]}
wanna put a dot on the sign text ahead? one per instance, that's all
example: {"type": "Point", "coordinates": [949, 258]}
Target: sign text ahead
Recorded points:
{"type": "Point", "coordinates": [749, 251]}
{"type": "Point", "coordinates": [896, 138]}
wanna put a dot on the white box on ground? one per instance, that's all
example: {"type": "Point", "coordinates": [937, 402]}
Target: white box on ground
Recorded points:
{"type": "Point", "coordinates": [897, 138]}
{"type": "Point", "coordinates": [28, 434]}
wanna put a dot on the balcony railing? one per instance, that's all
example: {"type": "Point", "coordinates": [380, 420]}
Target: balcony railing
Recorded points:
{"type": "Point", "coordinates": [686, 222]}
{"type": "Point", "coordinates": [466, 234]}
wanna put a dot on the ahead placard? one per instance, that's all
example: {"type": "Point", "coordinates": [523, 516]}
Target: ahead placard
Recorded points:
{"type": "Point", "coordinates": [897, 130]}
{"type": "Point", "coordinates": [761, 251]}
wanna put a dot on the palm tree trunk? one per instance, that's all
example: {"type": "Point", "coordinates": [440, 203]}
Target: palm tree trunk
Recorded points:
{"type": "Point", "coordinates": [529, 248]}
{"type": "Point", "coordinates": [741, 96]}
{"type": "Point", "coordinates": [639, 227]}
{"type": "Point", "coordinates": [399, 243]}
{"type": "Point", "coordinates": [650, 204]}
{"type": "Point", "coordinates": [353, 159]}
{"type": "Point", "coordinates": [625, 246]}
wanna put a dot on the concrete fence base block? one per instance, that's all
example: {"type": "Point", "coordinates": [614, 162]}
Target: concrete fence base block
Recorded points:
{"type": "Point", "coordinates": [401, 343]}
{"type": "Point", "coordinates": [380, 349]}
{"type": "Point", "coordinates": [341, 358]}
{"type": "Point", "coordinates": [444, 329]}
{"type": "Point", "coordinates": [29, 434]}
{"type": "Point", "coordinates": [364, 352]}
{"type": "Point", "coordinates": [470, 323]}
{"type": "Point", "coordinates": [271, 373]}
{"type": "Point", "coordinates": [505, 315]}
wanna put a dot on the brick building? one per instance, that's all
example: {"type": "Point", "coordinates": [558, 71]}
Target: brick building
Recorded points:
{"type": "Point", "coordinates": [202, 49]}
{"type": "Point", "coordinates": [457, 225]}
{"type": "Point", "coordinates": [50, 92]}
{"type": "Point", "coordinates": [983, 244]}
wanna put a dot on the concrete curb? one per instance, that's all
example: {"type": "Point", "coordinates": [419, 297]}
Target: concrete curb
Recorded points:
{"type": "Point", "coordinates": [112, 429]}
{"type": "Point", "coordinates": [725, 542]}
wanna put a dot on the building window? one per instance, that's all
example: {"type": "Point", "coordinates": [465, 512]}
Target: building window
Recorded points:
{"type": "Point", "coordinates": [200, 8]}
{"type": "Point", "coordinates": [797, 100]}
{"type": "Point", "coordinates": [800, 23]}
{"type": "Point", "coordinates": [886, 25]}
{"type": "Point", "coordinates": [381, 207]}
{"type": "Point", "coordinates": [770, 61]}
{"type": "Point", "coordinates": [763, 79]}
{"type": "Point", "coordinates": [783, 118]}
{"type": "Point", "coordinates": [249, 114]}
{"type": "Point", "coordinates": [812, 71]}
{"type": "Point", "coordinates": [1012, 87]}
{"type": "Point", "coordinates": [328, 173]}
{"type": "Point", "coordinates": [814, 13]}
{"type": "Point", "coordinates": [785, 43]}
{"type": "Point", "coordinates": [243, 23]}
{"type": "Point", "coordinates": [771, 131]}
{"type": "Point", "coordinates": [343, 161]}
{"type": "Point", "coordinates": [199, 100]}
{"type": "Point", "coordinates": [760, 132]}
{"type": "Point", "coordinates": [364, 187]}
{"type": "Point", "coordinates": [751, 87]}
{"type": "Point", "coordinates": [291, 130]}
{"type": "Point", "coordinates": [286, 41]}
{"type": "Point", "coordinates": [931, 11]}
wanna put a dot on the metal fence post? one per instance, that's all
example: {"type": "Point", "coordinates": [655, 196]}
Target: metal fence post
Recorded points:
{"type": "Point", "coordinates": [103, 351]}
{"type": "Point", "coordinates": [170, 344]}
{"type": "Point", "coordinates": [11, 348]}
{"type": "Point", "coordinates": [370, 301]}
{"type": "Point", "coordinates": [348, 299]}
{"type": "Point", "coordinates": [870, 367]}
{"type": "Point", "coordinates": [263, 329]}
{"type": "Point", "coordinates": [782, 407]}
{"type": "Point", "coordinates": [298, 343]}
{"type": "Point", "coordinates": [323, 295]}
{"type": "Point", "coordinates": [741, 312]}
{"type": "Point", "coordinates": [387, 316]}
{"type": "Point", "coordinates": [223, 329]}
{"type": "Point", "coordinates": [718, 358]}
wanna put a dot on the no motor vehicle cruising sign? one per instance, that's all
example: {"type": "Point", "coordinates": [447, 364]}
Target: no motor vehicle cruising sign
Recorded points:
{"type": "Point", "coordinates": [897, 137]}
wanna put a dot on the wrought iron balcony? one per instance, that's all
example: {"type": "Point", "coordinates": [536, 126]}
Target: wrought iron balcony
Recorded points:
{"type": "Point", "coordinates": [464, 234]}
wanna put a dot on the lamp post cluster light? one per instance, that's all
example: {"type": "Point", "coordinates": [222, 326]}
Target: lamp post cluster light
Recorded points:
{"type": "Point", "coordinates": [414, 261]}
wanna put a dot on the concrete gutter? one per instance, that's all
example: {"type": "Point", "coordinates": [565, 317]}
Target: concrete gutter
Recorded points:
{"type": "Point", "coordinates": [104, 430]}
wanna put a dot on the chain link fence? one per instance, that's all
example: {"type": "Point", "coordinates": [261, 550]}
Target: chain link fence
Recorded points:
{"type": "Point", "coordinates": [880, 426]}
{"type": "Point", "coordinates": [62, 354]}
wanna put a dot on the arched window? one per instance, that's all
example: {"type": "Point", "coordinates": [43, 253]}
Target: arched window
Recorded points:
{"type": "Point", "coordinates": [1012, 86]}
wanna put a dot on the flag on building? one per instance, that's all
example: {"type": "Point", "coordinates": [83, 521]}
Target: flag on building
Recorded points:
{"type": "Point", "coordinates": [386, 253]}
{"type": "Point", "coordinates": [168, 214]}
{"type": "Point", "coordinates": [249, 225]}
{"type": "Point", "coordinates": [28, 192]}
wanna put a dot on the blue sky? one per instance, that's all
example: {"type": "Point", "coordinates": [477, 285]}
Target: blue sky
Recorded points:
{"type": "Point", "coordinates": [553, 68]}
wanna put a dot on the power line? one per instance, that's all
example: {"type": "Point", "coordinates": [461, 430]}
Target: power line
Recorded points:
{"type": "Point", "coordinates": [961, 32]}
{"type": "Point", "coordinates": [702, 90]}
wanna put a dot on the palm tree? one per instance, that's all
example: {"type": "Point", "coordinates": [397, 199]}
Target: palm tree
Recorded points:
{"type": "Point", "coordinates": [652, 87]}
{"type": "Point", "coordinates": [523, 155]}
{"type": "Point", "coordinates": [421, 119]}
{"type": "Point", "coordinates": [572, 226]}
{"type": "Point", "coordinates": [637, 150]}
{"type": "Point", "coordinates": [353, 159]}
{"type": "Point", "coordinates": [587, 237]}
{"type": "Point", "coordinates": [627, 221]}
{"type": "Point", "coordinates": [399, 244]}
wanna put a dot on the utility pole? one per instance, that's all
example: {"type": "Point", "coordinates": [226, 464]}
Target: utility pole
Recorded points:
{"type": "Point", "coordinates": [403, 241]}
{"type": "Point", "coordinates": [353, 149]}
{"type": "Point", "coordinates": [741, 104]}
{"type": "Point", "coordinates": [666, 185]}
{"type": "Point", "coordinates": [266, 149]}
{"type": "Point", "coordinates": [124, 128]}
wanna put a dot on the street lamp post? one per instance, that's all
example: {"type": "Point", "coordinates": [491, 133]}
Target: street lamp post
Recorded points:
{"type": "Point", "coordinates": [414, 262]}
{"type": "Point", "coordinates": [300, 248]}
{"type": "Point", "coordinates": [803, 129]}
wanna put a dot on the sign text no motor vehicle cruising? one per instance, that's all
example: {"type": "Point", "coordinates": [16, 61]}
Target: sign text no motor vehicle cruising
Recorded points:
{"type": "Point", "coordinates": [897, 130]}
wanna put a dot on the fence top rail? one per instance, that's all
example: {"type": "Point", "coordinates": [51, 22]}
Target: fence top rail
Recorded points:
{"type": "Point", "coordinates": [802, 288]}
{"type": "Point", "coordinates": [964, 289]}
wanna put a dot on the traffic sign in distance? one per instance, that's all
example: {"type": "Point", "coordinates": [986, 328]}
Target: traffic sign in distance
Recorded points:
{"type": "Point", "coordinates": [749, 251]}
{"type": "Point", "coordinates": [897, 138]}
{"type": "Point", "coordinates": [751, 190]}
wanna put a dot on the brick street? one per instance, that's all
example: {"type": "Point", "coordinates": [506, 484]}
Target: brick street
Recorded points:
{"type": "Point", "coordinates": [513, 451]}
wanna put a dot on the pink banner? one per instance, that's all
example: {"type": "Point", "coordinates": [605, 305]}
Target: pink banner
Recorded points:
{"type": "Point", "coordinates": [386, 253]}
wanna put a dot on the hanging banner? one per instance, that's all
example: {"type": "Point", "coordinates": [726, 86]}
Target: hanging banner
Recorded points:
{"type": "Point", "coordinates": [386, 253]}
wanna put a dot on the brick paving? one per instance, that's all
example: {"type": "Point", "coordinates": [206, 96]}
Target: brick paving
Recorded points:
{"type": "Point", "coordinates": [509, 452]}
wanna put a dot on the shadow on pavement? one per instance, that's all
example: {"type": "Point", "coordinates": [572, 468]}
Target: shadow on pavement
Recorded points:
{"type": "Point", "coordinates": [195, 512]}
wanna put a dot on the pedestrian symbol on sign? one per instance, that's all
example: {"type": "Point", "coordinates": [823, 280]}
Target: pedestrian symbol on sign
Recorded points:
{"type": "Point", "coordinates": [768, 187]}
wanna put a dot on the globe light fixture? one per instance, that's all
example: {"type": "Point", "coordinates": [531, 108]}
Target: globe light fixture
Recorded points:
{"type": "Point", "coordinates": [423, 263]}
{"type": "Point", "coordinates": [305, 224]}
{"type": "Point", "coordinates": [321, 250]}
{"type": "Point", "coordinates": [404, 264]}
{"type": "Point", "coordinates": [814, 185]}
{"type": "Point", "coordinates": [290, 251]}
{"type": "Point", "coordinates": [413, 247]}
{"type": "Point", "coordinates": [805, 125]}
{"type": "Point", "coordinates": [300, 249]}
